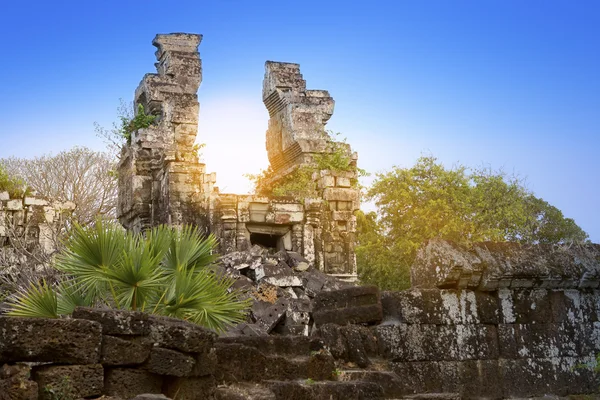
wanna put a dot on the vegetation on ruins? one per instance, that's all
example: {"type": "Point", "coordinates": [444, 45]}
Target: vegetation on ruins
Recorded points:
{"type": "Point", "coordinates": [14, 185]}
{"type": "Point", "coordinates": [166, 271]}
{"type": "Point", "coordinates": [129, 121]}
{"type": "Point", "coordinates": [430, 201]}
{"type": "Point", "coordinates": [302, 182]}
{"type": "Point", "coordinates": [80, 175]}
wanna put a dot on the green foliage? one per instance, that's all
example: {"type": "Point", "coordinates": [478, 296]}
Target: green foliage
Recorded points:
{"type": "Point", "coordinates": [301, 183]}
{"type": "Point", "coordinates": [141, 120]}
{"type": "Point", "coordinates": [15, 186]}
{"type": "Point", "coordinates": [38, 300]}
{"type": "Point", "coordinates": [62, 391]}
{"type": "Point", "coordinates": [163, 272]}
{"type": "Point", "coordinates": [429, 201]}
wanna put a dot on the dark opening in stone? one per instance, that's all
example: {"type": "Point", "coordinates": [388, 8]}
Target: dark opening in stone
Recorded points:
{"type": "Point", "coordinates": [266, 240]}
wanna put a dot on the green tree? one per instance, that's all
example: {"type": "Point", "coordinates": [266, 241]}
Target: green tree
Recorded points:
{"type": "Point", "coordinates": [165, 272]}
{"type": "Point", "coordinates": [465, 206]}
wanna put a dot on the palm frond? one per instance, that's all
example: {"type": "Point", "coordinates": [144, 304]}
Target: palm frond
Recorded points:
{"type": "Point", "coordinates": [70, 296]}
{"type": "Point", "coordinates": [137, 278]}
{"type": "Point", "coordinates": [38, 300]}
{"type": "Point", "coordinates": [189, 250]}
{"type": "Point", "coordinates": [90, 252]}
{"type": "Point", "coordinates": [202, 298]}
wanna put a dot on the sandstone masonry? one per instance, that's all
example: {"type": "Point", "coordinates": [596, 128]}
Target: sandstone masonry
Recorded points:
{"type": "Point", "coordinates": [161, 180]}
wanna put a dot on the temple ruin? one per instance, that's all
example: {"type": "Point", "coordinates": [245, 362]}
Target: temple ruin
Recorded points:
{"type": "Point", "coordinates": [161, 180]}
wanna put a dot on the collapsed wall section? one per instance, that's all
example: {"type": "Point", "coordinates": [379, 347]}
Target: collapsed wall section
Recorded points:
{"type": "Point", "coordinates": [161, 180]}
{"type": "Point", "coordinates": [29, 230]}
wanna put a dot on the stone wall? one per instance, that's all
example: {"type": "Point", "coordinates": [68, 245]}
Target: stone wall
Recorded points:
{"type": "Point", "coordinates": [529, 339]}
{"type": "Point", "coordinates": [28, 228]}
{"type": "Point", "coordinates": [496, 321]}
{"type": "Point", "coordinates": [161, 180]}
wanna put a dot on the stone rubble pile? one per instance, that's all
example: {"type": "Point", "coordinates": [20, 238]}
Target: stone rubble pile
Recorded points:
{"type": "Point", "coordinates": [282, 286]}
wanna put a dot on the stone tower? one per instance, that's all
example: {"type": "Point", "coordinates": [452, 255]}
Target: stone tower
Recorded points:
{"type": "Point", "coordinates": [159, 173]}
{"type": "Point", "coordinates": [161, 180]}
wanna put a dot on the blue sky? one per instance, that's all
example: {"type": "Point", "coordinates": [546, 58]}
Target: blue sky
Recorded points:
{"type": "Point", "coordinates": [506, 84]}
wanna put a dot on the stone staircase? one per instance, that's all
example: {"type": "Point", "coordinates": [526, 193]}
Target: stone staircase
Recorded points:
{"type": "Point", "coordinates": [298, 368]}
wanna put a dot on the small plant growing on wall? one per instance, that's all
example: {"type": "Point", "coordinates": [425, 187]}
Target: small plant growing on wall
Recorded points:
{"type": "Point", "coordinates": [301, 183]}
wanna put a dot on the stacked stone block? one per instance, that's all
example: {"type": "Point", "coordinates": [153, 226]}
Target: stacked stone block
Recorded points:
{"type": "Point", "coordinates": [31, 221]}
{"type": "Point", "coordinates": [106, 352]}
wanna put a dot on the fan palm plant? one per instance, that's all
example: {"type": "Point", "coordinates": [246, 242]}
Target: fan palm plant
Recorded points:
{"type": "Point", "coordinates": [163, 272]}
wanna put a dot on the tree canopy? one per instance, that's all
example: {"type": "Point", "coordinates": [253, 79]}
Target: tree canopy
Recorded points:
{"type": "Point", "coordinates": [80, 175]}
{"type": "Point", "coordinates": [462, 205]}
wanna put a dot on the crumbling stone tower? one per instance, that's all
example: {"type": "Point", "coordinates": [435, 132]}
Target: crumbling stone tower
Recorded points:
{"type": "Point", "coordinates": [159, 173]}
{"type": "Point", "coordinates": [161, 180]}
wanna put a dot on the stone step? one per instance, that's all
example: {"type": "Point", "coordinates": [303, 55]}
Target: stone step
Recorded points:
{"type": "Point", "coordinates": [325, 390]}
{"type": "Point", "coordinates": [295, 345]}
{"type": "Point", "coordinates": [240, 363]}
{"type": "Point", "coordinates": [430, 396]}
{"type": "Point", "coordinates": [390, 382]}
{"type": "Point", "coordinates": [244, 391]}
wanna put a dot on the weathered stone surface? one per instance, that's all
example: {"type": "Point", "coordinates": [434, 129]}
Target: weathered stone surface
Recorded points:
{"type": "Point", "coordinates": [361, 304]}
{"type": "Point", "coordinates": [404, 342]}
{"type": "Point", "coordinates": [180, 335]}
{"type": "Point", "coordinates": [118, 351]}
{"type": "Point", "coordinates": [69, 381]}
{"type": "Point", "coordinates": [350, 343]}
{"type": "Point", "coordinates": [358, 390]}
{"type": "Point", "coordinates": [440, 307]}
{"type": "Point", "coordinates": [116, 322]}
{"type": "Point", "coordinates": [321, 366]}
{"type": "Point", "coordinates": [128, 382]}
{"type": "Point", "coordinates": [244, 391]}
{"type": "Point", "coordinates": [169, 362]}
{"type": "Point", "coordinates": [492, 266]}
{"type": "Point", "coordinates": [199, 388]}
{"type": "Point", "coordinates": [51, 340]}
{"type": "Point", "coordinates": [237, 362]}
{"type": "Point", "coordinates": [15, 383]}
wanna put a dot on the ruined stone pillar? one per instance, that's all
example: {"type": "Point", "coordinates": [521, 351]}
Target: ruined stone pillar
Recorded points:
{"type": "Point", "coordinates": [160, 177]}
{"type": "Point", "coordinates": [295, 136]}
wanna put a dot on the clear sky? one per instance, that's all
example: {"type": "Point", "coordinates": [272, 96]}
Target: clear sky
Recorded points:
{"type": "Point", "coordinates": [506, 84]}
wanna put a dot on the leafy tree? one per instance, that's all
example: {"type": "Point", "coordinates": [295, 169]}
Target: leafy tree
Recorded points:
{"type": "Point", "coordinates": [465, 206]}
{"type": "Point", "coordinates": [164, 272]}
{"type": "Point", "coordinates": [80, 175]}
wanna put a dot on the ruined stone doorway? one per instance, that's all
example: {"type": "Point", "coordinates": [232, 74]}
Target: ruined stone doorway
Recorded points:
{"type": "Point", "coordinates": [271, 237]}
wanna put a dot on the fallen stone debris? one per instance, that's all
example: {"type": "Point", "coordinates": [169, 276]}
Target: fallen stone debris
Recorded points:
{"type": "Point", "coordinates": [287, 294]}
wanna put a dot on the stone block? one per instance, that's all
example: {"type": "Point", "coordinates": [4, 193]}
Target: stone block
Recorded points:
{"type": "Point", "coordinates": [340, 194]}
{"type": "Point", "coordinates": [4, 196]}
{"type": "Point", "coordinates": [69, 341]}
{"type": "Point", "coordinates": [321, 365]}
{"type": "Point", "coordinates": [119, 351]}
{"type": "Point", "coordinates": [326, 181]}
{"type": "Point", "coordinates": [524, 378]}
{"type": "Point", "coordinates": [15, 383]}
{"type": "Point", "coordinates": [359, 304]}
{"type": "Point", "coordinates": [115, 322]}
{"type": "Point", "coordinates": [200, 388]}
{"type": "Point", "coordinates": [128, 382]}
{"type": "Point", "coordinates": [180, 335]}
{"type": "Point", "coordinates": [343, 182]}
{"type": "Point", "coordinates": [169, 362]}
{"type": "Point", "coordinates": [268, 318]}
{"type": "Point", "coordinates": [14, 205]}
{"type": "Point", "coordinates": [239, 363]}
{"type": "Point", "coordinates": [418, 377]}
{"type": "Point", "coordinates": [34, 201]}
{"type": "Point", "coordinates": [404, 342]}
{"type": "Point", "coordinates": [357, 390]}
{"type": "Point", "coordinates": [69, 381]}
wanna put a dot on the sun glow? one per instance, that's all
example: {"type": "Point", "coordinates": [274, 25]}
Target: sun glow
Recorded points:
{"type": "Point", "coordinates": [234, 134]}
